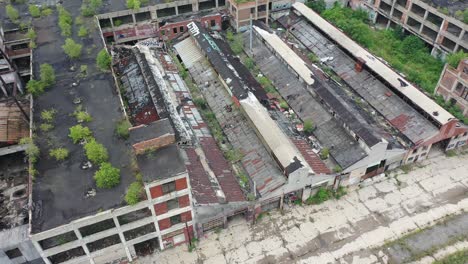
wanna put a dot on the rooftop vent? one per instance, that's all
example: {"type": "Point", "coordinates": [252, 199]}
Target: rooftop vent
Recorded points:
{"type": "Point", "coordinates": [435, 113]}
{"type": "Point", "coordinates": [402, 83]}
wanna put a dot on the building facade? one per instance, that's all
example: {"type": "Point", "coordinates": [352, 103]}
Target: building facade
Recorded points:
{"type": "Point", "coordinates": [439, 30]}
{"type": "Point", "coordinates": [453, 85]}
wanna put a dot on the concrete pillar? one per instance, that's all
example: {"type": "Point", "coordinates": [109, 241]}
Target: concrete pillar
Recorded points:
{"type": "Point", "coordinates": [177, 10]}
{"type": "Point", "coordinates": [133, 18]}
{"type": "Point", "coordinates": [83, 244]}
{"type": "Point", "coordinates": [195, 7]}
{"type": "Point", "coordinates": [122, 238]}
{"type": "Point", "coordinates": [4, 258]}
{"type": "Point", "coordinates": [217, 4]}
{"type": "Point", "coordinates": [155, 218]}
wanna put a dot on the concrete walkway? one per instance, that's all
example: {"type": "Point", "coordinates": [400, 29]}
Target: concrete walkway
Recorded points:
{"type": "Point", "coordinates": [349, 230]}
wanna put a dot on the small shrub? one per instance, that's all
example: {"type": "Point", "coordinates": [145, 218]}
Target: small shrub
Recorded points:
{"type": "Point", "coordinates": [65, 21]}
{"type": "Point", "coordinates": [249, 63]}
{"type": "Point", "coordinates": [107, 176]}
{"type": "Point", "coordinates": [48, 115]}
{"type": "Point", "coordinates": [82, 32]}
{"type": "Point", "coordinates": [243, 179]}
{"type": "Point", "coordinates": [122, 129]}
{"type": "Point", "coordinates": [308, 126]}
{"type": "Point", "coordinates": [229, 35]}
{"type": "Point", "coordinates": [46, 127]}
{"type": "Point", "coordinates": [103, 60]}
{"type": "Point", "coordinates": [82, 116]}
{"type": "Point", "coordinates": [133, 4]}
{"type": "Point", "coordinates": [340, 192]}
{"type": "Point", "coordinates": [318, 5]}
{"type": "Point", "coordinates": [46, 12]}
{"type": "Point", "coordinates": [455, 58]}
{"type": "Point", "coordinates": [12, 13]}
{"type": "Point", "coordinates": [59, 154]}
{"type": "Point", "coordinates": [118, 22]}
{"type": "Point", "coordinates": [84, 70]}
{"type": "Point", "coordinates": [47, 74]}
{"type": "Point", "coordinates": [72, 49]}
{"type": "Point", "coordinates": [34, 11]}
{"type": "Point", "coordinates": [96, 152]}
{"type": "Point", "coordinates": [313, 58]}
{"type": "Point", "coordinates": [321, 196]}
{"type": "Point", "coordinates": [234, 155]}
{"type": "Point", "coordinates": [337, 169]}
{"type": "Point", "coordinates": [200, 103]}
{"type": "Point", "coordinates": [284, 105]}
{"type": "Point", "coordinates": [79, 132]}
{"type": "Point", "coordinates": [451, 153]}
{"type": "Point", "coordinates": [35, 87]}
{"type": "Point", "coordinates": [324, 153]}
{"type": "Point", "coordinates": [32, 151]}
{"type": "Point", "coordinates": [134, 192]}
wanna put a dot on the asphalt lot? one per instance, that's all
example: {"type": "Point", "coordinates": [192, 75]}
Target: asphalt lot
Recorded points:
{"type": "Point", "coordinates": [350, 230]}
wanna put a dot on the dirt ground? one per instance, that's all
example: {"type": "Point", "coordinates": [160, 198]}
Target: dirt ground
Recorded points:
{"type": "Point", "coordinates": [354, 229]}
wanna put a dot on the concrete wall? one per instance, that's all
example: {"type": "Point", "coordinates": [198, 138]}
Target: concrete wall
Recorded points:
{"type": "Point", "coordinates": [17, 238]}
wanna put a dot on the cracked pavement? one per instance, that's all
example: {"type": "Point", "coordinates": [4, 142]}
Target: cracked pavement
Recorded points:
{"type": "Point", "coordinates": [348, 230]}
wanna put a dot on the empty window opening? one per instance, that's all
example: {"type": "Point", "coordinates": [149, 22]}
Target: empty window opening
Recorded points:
{"type": "Point", "coordinates": [97, 227]}
{"type": "Point", "coordinates": [58, 240]}
{"type": "Point", "coordinates": [147, 247]}
{"type": "Point", "coordinates": [103, 243]}
{"type": "Point", "coordinates": [134, 216]}
{"type": "Point", "coordinates": [139, 231]}
{"type": "Point", "coordinates": [13, 253]}
{"type": "Point", "coordinates": [67, 255]}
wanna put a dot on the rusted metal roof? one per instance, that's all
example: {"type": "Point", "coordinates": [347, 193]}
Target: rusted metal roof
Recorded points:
{"type": "Point", "coordinates": [13, 125]}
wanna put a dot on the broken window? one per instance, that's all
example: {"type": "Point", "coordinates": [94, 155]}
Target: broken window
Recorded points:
{"type": "Point", "coordinates": [97, 227]}
{"type": "Point", "coordinates": [181, 29]}
{"type": "Point", "coordinates": [174, 30]}
{"type": "Point", "coordinates": [213, 23]}
{"type": "Point", "coordinates": [13, 253]}
{"type": "Point", "coordinates": [103, 243]}
{"type": "Point", "coordinates": [176, 219]}
{"type": "Point", "coordinates": [168, 187]}
{"type": "Point", "coordinates": [67, 255]}
{"type": "Point", "coordinates": [172, 204]}
{"type": "Point", "coordinates": [134, 216]}
{"type": "Point", "coordinates": [58, 240]}
{"type": "Point", "coordinates": [261, 8]}
{"type": "Point", "coordinates": [139, 231]}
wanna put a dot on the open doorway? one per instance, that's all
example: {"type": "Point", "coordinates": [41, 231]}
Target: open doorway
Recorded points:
{"type": "Point", "coordinates": [147, 247]}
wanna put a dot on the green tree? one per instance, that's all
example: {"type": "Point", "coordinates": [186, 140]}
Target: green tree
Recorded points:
{"type": "Point", "coordinates": [96, 152]}
{"type": "Point", "coordinates": [79, 132]}
{"type": "Point", "coordinates": [12, 13]}
{"type": "Point", "coordinates": [47, 74]}
{"type": "Point", "coordinates": [34, 10]}
{"type": "Point", "coordinates": [59, 153]}
{"type": "Point", "coordinates": [308, 126]}
{"type": "Point", "coordinates": [72, 49]}
{"type": "Point", "coordinates": [35, 87]}
{"type": "Point", "coordinates": [324, 153]}
{"type": "Point", "coordinates": [107, 176]}
{"type": "Point", "coordinates": [134, 193]}
{"type": "Point", "coordinates": [249, 63]}
{"type": "Point", "coordinates": [103, 60]}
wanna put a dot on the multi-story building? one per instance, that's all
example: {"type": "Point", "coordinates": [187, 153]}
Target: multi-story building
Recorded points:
{"type": "Point", "coordinates": [15, 61]}
{"type": "Point", "coordinates": [165, 21]}
{"type": "Point", "coordinates": [242, 11]}
{"type": "Point", "coordinates": [439, 30]}
{"type": "Point", "coordinates": [453, 85]}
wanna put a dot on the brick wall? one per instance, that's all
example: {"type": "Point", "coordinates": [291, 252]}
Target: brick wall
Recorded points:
{"type": "Point", "coordinates": [154, 143]}
{"type": "Point", "coordinates": [184, 201]}
{"type": "Point", "coordinates": [164, 223]}
{"type": "Point", "coordinates": [181, 184]}
{"type": "Point", "coordinates": [160, 208]}
{"type": "Point", "coordinates": [186, 217]}
{"type": "Point", "coordinates": [156, 191]}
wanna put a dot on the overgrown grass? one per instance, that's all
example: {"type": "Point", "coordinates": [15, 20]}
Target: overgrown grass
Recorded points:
{"type": "Point", "coordinates": [324, 194]}
{"type": "Point", "coordinates": [121, 129]}
{"type": "Point", "coordinates": [459, 257]}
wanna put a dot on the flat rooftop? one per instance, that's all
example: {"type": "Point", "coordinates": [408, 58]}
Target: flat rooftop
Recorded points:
{"type": "Point", "coordinates": [163, 163]}
{"type": "Point", "coordinates": [63, 191]}
{"type": "Point", "coordinates": [152, 130]}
